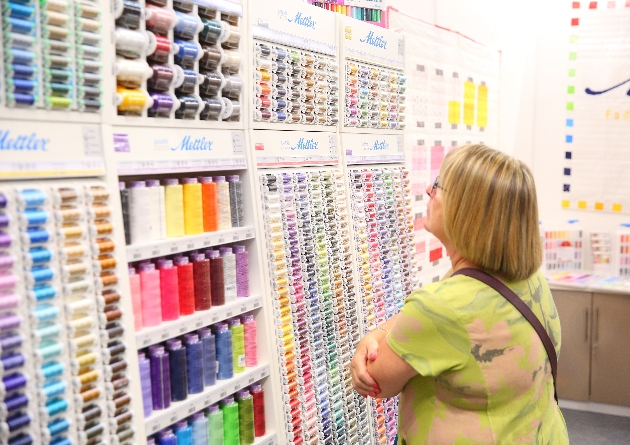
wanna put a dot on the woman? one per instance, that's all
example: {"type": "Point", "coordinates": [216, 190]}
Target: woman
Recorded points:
{"type": "Point", "coordinates": [469, 368]}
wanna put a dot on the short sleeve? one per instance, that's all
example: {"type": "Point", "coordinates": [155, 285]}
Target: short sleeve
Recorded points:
{"type": "Point", "coordinates": [429, 335]}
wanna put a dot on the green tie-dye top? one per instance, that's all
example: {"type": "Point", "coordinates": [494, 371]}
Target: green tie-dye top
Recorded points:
{"type": "Point", "coordinates": [483, 373]}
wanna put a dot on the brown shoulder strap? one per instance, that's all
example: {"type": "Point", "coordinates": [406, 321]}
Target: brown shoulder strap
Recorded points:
{"type": "Point", "coordinates": [523, 309]}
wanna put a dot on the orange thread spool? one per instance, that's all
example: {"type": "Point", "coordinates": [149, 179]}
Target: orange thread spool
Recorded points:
{"type": "Point", "coordinates": [210, 204]}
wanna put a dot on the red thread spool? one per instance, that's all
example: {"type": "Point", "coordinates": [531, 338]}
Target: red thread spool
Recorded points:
{"type": "Point", "coordinates": [162, 51]}
{"type": "Point", "coordinates": [201, 277]}
{"type": "Point", "coordinates": [185, 284]}
{"type": "Point", "coordinates": [258, 395]}
{"type": "Point", "coordinates": [217, 283]}
{"type": "Point", "coordinates": [169, 289]}
{"type": "Point", "coordinates": [210, 205]}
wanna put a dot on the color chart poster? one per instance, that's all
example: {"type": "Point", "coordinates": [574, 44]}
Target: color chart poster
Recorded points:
{"type": "Point", "coordinates": [453, 99]}
{"type": "Point", "coordinates": [597, 137]}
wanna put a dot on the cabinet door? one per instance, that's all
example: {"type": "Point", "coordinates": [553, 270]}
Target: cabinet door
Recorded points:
{"type": "Point", "coordinates": [611, 355]}
{"type": "Point", "coordinates": [574, 309]}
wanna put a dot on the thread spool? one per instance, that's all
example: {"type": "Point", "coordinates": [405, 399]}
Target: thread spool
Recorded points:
{"type": "Point", "coordinates": [232, 111]}
{"type": "Point", "coordinates": [251, 341]}
{"type": "Point", "coordinates": [136, 298]}
{"type": "Point", "coordinates": [216, 273]}
{"type": "Point", "coordinates": [213, 109]}
{"type": "Point", "coordinates": [187, 53]}
{"type": "Point", "coordinates": [145, 383]}
{"type": "Point", "coordinates": [183, 5]}
{"type": "Point", "coordinates": [223, 201]}
{"type": "Point", "coordinates": [185, 281]}
{"type": "Point", "coordinates": [162, 77]}
{"type": "Point", "coordinates": [199, 425]}
{"type": "Point", "coordinates": [211, 32]}
{"type": "Point", "coordinates": [238, 344]}
{"type": "Point", "coordinates": [166, 437]}
{"type": "Point", "coordinates": [183, 432]}
{"type": "Point", "coordinates": [132, 73]}
{"type": "Point", "coordinates": [132, 102]}
{"type": "Point", "coordinates": [225, 361]}
{"type": "Point", "coordinates": [194, 363]}
{"type": "Point", "coordinates": [231, 35]}
{"type": "Point", "coordinates": [174, 208]}
{"type": "Point", "coordinates": [156, 208]}
{"type": "Point", "coordinates": [258, 395]}
{"type": "Point", "coordinates": [215, 425]}
{"type": "Point", "coordinates": [159, 20]}
{"type": "Point", "coordinates": [236, 200]}
{"type": "Point", "coordinates": [160, 48]}
{"type": "Point", "coordinates": [201, 273]}
{"type": "Point", "coordinates": [160, 377]}
{"type": "Point", "coordinates": [193, 210]}
{"type": "Point", "coordinates": [229, 273]}
{"type": "Point", "coordinates": [128, 14]}
{"type": "Point", "coordinates": [189, 107]}
{"type": "Point", "coordinates": [169, 290]}
{"type": "Point", "coordinates": [233, 61]}
{"type": "Point", "coordinates": [187, 80]}
{"type": "Point", "coordinates": [211, 84]}
{"type": "Point", "coordinates": [233, 87]}
{"type": "Point", "coordinates": [130, 44]}
{"type": "Point", "coordinates": [212, 57]}
{"type": "Point", "coordinates": [188, 25]}
{"type": "Point", "coordinates": [150, 293]}
{"type": "Point", "coordinates": [179, 373]}
{"type": "Point", "coordinates": [245, 417]}
{"type": "Point", "coordinates": [209, 203]}
{"type": "Point", "coordinates": [162, 106]}
{"type": "Point", "coordinates": [209, 356]}
{"type": "Point", "coordinates": [124, 204]}
{"type": "Point", "coordinates": [230, 421]}
{"type": "Point", "coordinates": [139, 213]}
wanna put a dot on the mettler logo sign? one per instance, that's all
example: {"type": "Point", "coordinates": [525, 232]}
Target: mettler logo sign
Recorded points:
{"type": "Point", "coordinates": [22, 142]}
{"type": "Point", "coordinates": [379, 146]}
{"type": "Point", "coordinates": [304, 144]}
{"type": "Point", "coordinates": [374, 40]}
{"type": "Point", "coordinates": [190, 144]}
{"type": "Point", "coordinates": [301, 20]}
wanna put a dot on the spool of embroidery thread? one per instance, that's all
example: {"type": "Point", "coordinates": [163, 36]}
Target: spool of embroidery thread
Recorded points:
{"type": "Point", "coordinates": [245, 417]}
{"type": "Point", "coordinates": [232, 62]}
{"type": "Point", "coordinates": [189, 107]}
{"type": "Point", "coordinates": [199, 425]}
{"type": "Point", "coordinates": [186, 80]}
{"type": "Point", "coordinates": [188, 52]}
{"type": "Point", "coordinates": [179, 372]}
{"type": "Point", "coordinates": [131, 44]}
{"type": "Point", "coordinates": [238, 344]}
{"type": "Point", "coordinates": [229, 273]}
{"type": "Point", "coordinates": [128, 14]}
{"type": "Point", "coordinates": [169, 290]}
{"type": "Point", "coordinates": [217, 283]}
{"type": "Point", "coordinates": [145, 383]}
{"type": "Point", "coordinates": [162, 77]}
{"type": "Point", "coordinates": [163, 105]}
{"type": "Point", "coordinates": [193, 210]}
{"type": "Point", "coordinates": [251, 340]}
{"type": "Point", "coordinates": [132, 102]}
{"type": "Point", "coordinates": [174, 208]}
{"type": "Point", "coordinates": [223, 201]}
{"type": "Point", "coordinates": [188, 26]}
{"type": "Point", "coordinates": [236, 200]}
{"type": "Point", "coordinates": [212, 57]}
{"type": "Point", "coordinates": [231, 35]}
{"type": "Point", "coordinates": [209, 356]}
{"type": "Point", "coordinates": [213, 109]}
{"type": "Point", "coordinates": [194, 363]}
{"type": "Point", "coordinates": [211, 31]}
{"type": "Point", "coordinates": [132, 73]}
{"type": "Point", "coordinates": [124, 203]}
{"type": "Point", "coordinates": [159, 20]}
{"type": "Point", "coordinates": [209, 199]}
{"type": "Point", "coordinates": [223, 336]}
{"type": "Point", "coordinates": [201, 273]}
{"type": "Point", "coordinates": [211, 84]}
{"type": "Point", "coordinates": [160, 48]}
{"type": "Point", "coordinates": [183, 432]}
{"type": "Point", "coordinates": [136, 298]}
{"type": "Point", "coordinates": [166, 437]}
{"type": "Point", "coordinates": [230, 421]}
{"type": "Point", "coordinates": [157, 209]}
{"type": "Point", "coordinates": [185, 283]}
{"type": "Point", "coordinates": [150, 292]}
{"type": "Point", "coordinates": [160, 377]}
{"type": "Point", "coordinates": [258, 395]}
{"type": "Point", "coordinates": [215, 425]}
{"type": "Point", "coordinates": [242, 271]}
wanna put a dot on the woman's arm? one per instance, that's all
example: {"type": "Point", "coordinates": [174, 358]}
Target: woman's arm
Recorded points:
{"type": "Point", "coordinates": [389, 370]}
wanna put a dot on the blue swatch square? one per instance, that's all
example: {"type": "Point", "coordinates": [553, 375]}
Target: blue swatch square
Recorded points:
{"type": "Point", "coordinates": [569, 122]}
{"type": "Point", "coordinates": [567, 187]}
{"type": "Point", "coordinates": [567, 172]}
{"type": "Point", "coordinates": [569, 138]}
{"type": "Point", "coordinates": [567, 155]}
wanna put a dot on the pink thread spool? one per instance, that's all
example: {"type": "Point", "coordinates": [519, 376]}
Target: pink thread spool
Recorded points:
{"type": "Point", "coordinates": [251, 341]}
{"type": "Point", "coordinates": [169, 290]}
{"type": "Point", "coordinates": [136, 298]}
{"type": "Point", "coordinates": [150, 288]}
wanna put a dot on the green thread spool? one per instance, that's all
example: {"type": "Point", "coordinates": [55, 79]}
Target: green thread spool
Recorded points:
{"type": "Point", "coordinates": [245, 416]}
{"type": "Point", "coordinates": [211, 31]}
{"type": "Point", "coordinates": [238, 344]}
{"type": "Point", "coordinates": [231, 433]}
{"type": "Point", "coordinates": [215, 425]}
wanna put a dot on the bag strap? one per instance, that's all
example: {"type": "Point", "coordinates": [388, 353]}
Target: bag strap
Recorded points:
{"type": "Point", "coordinates": [524, 310]}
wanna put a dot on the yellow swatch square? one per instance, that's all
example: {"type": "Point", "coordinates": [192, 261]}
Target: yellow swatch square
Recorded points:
{"type": "Point", "coordinates": [566, 203]}
{"type": "Point", "coordinates": [599, 206]}
{"type": "Point", "coordinates": [616, 207]}
{"type": "Point", "coordinates": [582, 205]}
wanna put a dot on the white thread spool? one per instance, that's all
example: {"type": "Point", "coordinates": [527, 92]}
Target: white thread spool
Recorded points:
{"type": "Point", "coordinates": [223, 202]}
{"type": "Point", "coordinates": [229, 273]}
{"type": "Point", "coordinates": [139, 212]}
{"type": "Point", "coordinates": [158, 219]}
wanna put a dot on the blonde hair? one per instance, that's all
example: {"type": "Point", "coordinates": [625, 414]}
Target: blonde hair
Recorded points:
{"type": "Point", "coordinates": [491, 211]}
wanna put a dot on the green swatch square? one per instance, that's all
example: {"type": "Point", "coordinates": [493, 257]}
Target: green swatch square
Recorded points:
{"type": "Point", "coordinates": [570, 106]}
{"type": "Point", "coordinates": [572, 55]}
{"type": "Point", "coordinates": [571, 90]}
{"type": "Point", "coordinates": [572, 72]}
{"type": "Point", "coordinates": [573, 39]}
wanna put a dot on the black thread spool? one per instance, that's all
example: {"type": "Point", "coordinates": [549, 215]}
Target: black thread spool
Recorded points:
{"type": "Point", "coordinates": [213, 109]}
{"type": "Point", "coordinates": [188, 107]}
{"type": "Point", "coordinates": [211, 84]}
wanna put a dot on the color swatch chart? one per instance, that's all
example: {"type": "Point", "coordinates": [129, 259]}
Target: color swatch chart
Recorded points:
{"type": "Point", "coordinates": [164, 289]}
{"type": "Point", "coordinates": [374, 97]}
{"type": "Point", "coordinates": [563, 249]}
{"type": "Point", "coordinates": [68, 271]}
{"type": "Point", "coordinates": [295, 86]}
{"type": "Point", "coordinates": [178, 59]}
{"type": "Point", "coordinates": [624, 254]}
{"type": "Point", "coordinates": [154, 210]}
{"type": "Point", "coordinates": [52, 54]}
{"type": "Point", "coordinates": [236, 420]}
{"type": "Point", "coordinates": [183, 366]}
{"type": "Point", "coordinates": [354, 11]}
{"type": "Point", "coordinates": [385, 255]}
{"type": "Point", "coordinates": [310, 266]}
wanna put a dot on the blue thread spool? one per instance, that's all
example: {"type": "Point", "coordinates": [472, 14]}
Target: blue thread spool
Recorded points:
{"type": "Point", "coordinates": [183, 432]}
{"type": "Point", "coordinates": [209, 356]}
{"type": "Point", "coordinates": [179, 373]}
{"type": "Point", "coordinates": [21, 11]}
{"type": "Point", "coordinates": [21, 26]}
{"type": "Point", "coordinates": [186, 80]}
{"type": "Point", "coordinates": [279, 54]}
{"type": "Point", "coordinates": [189, 107]}
{"type": "Point", "coordinates": [22, 71]}
{"type": "Point", "coordinates": [225, 361]}
{"type": "Point", "coordinates": [199, 425]}
{"type": "Point", "coordinates": [211, 31]}
{"type": "Point", "coordinates": [166, 437]}
{"type": "Point", "coordinates": [213, 109]}
{"type": "Point", "coordinates": [188, 53]}
{"type": "Point", "coordinates": [44, 293]}
{"type": "Point", "coordinates": [160, 377]}
{"type": "Point", "coordinates": [188, 26]}
{"type": "Point", "coordinates": [194, 363]}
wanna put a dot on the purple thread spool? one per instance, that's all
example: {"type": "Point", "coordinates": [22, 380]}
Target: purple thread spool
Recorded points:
{"type": "Point", "coordinates": [163, 76]}
{"type": "Point", "coordinates": [145, 383]}
{"type": "Point", "coordinates": [3, 201]}
{"type": "Point", "coordinates": [5, 240]}
{"type": "Point", "coordinates": [242, 271]}
{"type": "Point", "coordinates": [4, 220]}
{"type": "Point", "coordinates": [162, 105]}
{"type": "Point", "coordinates": [160, 377]}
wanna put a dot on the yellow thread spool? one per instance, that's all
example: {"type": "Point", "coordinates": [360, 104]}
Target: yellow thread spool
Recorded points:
{"type": "Point", "coordinates": [193, 210]}
{"type": "Point", "coordinates": [174, 204]}
{"type": "Point", "coordinates": [131, 101]}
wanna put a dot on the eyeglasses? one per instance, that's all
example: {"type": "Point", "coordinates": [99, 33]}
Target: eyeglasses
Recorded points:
{"type": "Point", "coordinates": [436, 185]}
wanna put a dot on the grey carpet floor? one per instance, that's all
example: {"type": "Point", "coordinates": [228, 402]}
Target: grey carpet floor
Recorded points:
{"type": "Point", "coordinates": [596, 429]}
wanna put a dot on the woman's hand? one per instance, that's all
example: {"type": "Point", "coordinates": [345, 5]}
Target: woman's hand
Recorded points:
{"type": "Point", "coordinates": [362, 381]}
